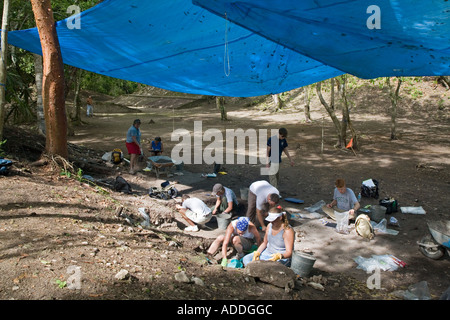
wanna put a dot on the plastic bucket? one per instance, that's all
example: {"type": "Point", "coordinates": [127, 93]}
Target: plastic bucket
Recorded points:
{"type": "Point", "coordinates": [223, 220]}
{"type": "Point", "coordinates": [302, 263]}
{"type": "Point", "coordinates": [377, 213]}
{"type": "Point", "coordinates": [244, 193]}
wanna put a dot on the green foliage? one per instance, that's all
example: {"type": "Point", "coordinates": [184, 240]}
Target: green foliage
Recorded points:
{"type": "Point", "coordinates": [2, 153]}
{"type": "Point", "coordinates": [20, 66]}
{"type": "Point", "coordinates": [107, 85]}
{"type": "Point", "coordinates": [65, 173]}
{"type": "Point", "coordinates": [80, 175]}
{"type": "Point", "coordinates": [61, 284]}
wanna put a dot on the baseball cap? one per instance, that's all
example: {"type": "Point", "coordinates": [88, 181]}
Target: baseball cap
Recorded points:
{"type": "Point", "coordinates": [217, 187]}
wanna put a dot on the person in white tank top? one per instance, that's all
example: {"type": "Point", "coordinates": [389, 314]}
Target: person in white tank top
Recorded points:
{"type": "Point", "coordinates": [278, 243]}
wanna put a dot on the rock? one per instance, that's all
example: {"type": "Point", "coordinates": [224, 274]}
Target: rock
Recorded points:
{"type": "Point", "coordinates": [182, 277]}
{"type": "Point", "coordinates": [316, 286]}
{"type": "Point", "coordinates": [198, 281]}
{"type": "Point", "coordinates": [272, 272]}
{"type": "Point", "coordinates": [173, 244]}
{"type": "Point", "coordinates": [122, 275]}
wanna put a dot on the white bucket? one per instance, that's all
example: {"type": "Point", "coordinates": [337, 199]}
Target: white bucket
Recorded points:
{"type": "Point", "coordinates": [302, 263]}
{"type": "Point", "coordinates": [223, 220]}
{"type": "Point", "coordinates": [244, 193]}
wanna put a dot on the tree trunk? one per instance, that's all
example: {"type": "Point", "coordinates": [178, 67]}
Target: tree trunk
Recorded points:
{"type": "Point", "coordinates": [39, 105]}
{"type": "Point", "coordinates": [308, 94]}
{"type": "Point", "coordinates": [3, 62]}
{"type": "Point", "coordinates": [76, 117]}
{"type": "Point", "coordinates": [220, 103]}
{"type": "Point", "coordinates": [330, 110]}
{"type": "Point", "coordinates": [279, 104]}
{"type": "Point", "coordinates": [346, 121]}
{"type": "Point", "coordinates": [445, 81]}
{"type": "Point", "coordinates": [53, 80]}
{"type": "Point", "coordinates": [394, 96]}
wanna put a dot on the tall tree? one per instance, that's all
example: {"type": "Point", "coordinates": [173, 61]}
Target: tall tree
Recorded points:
{"type": "Point", "coordinates": [39, 107]}
{"type": "Point", "coordinates": [394, 96]}
{"type": "Point", "coordinates": [279, 104]}
{"type": "Point", "coordinates": [307, 98]}
{"type": "Point", "coordinates": [220, 104]}
{"type": "Point", "coordinates": [4, 59]}
{"type": "Point", "coordinates": [52, 81]}
{"type": "Point", "coordinates": [346, 121]}
{"type": "Point", "coordinates": [330, 109]}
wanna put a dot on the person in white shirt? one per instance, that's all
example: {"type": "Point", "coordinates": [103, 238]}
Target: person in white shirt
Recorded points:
{"type": "Point", "coordinates": [195, 212]}
{"type": "Point", "coordinates": [261, 197]}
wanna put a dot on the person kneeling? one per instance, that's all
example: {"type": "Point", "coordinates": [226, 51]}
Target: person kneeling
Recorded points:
{"type": "Point", "coordinates": [194, 211]}
{"type": "Point", "coordinates": [241, 233]}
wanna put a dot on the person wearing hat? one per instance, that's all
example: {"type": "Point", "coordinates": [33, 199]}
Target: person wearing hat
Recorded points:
{"type": "Point", "coordinates": [226, 199]}
{"type": "Point", "coordinates": [261, 196]}
{"type": "Point", "coordinates": [278, 243]}
{"type": "Point", "coordinates": [274, 160]}
{"type": "Point", "coordinates": [133, 143]}
{"type": "Point", "coordinates": [241, 233]}
{"type": "Point", "coordinates": [156, 147]}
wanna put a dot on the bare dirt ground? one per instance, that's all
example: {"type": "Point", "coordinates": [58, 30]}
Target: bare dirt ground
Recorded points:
{"type": "Point", "coordinates": [56, 230]}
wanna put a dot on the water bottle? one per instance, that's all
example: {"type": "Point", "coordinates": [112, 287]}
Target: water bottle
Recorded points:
{"type": "Point", "coordinates": [359, 197]}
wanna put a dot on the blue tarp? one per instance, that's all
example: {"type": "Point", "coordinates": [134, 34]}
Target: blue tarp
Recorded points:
{"type": "Point", "coordinates": [261, 47]}
{"type": "Point", "coordinates": [366, 38]}
{"type": "Point", "coordinates": [178, 46]}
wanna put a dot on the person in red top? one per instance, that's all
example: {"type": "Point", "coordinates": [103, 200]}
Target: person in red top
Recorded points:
{"type": "Point", "coordinates": [133, 143]}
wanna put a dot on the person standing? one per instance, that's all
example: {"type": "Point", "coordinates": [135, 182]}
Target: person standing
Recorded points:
{"type": "Point", "coordinates": [133, 143]}
{"type": "Point", "coordinates": [89, 108]}
{"type": "Point", "coordinates": [274, 160]}
{"type": "Point", "coordinates": [261, 197]}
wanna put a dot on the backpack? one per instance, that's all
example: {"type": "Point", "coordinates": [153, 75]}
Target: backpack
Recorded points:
{"type": "Point", "coordinates": [363, 227]}
{"type": "Point", "coordinates": [122, 185]}
{"type": "Point", "coordinates": [390, 204]}
{"type": "Point", "coordinates": [116, 156]}
{"type": "Point", "coordinates": [370, 192]}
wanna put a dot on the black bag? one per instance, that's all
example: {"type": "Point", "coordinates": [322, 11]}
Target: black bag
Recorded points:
{"type": "Point", "coordinates": [370, 192]}
{"type": "Point", "coordinates": [390, 204]}
{"type": "Point", "coordinates": [121, 185]}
